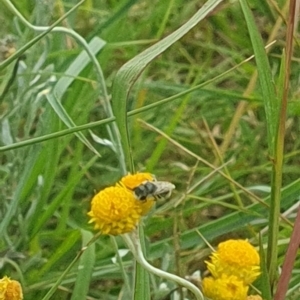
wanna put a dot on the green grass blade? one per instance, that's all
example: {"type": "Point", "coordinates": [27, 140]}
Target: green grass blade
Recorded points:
{"type": "Point", "coordinates": [47, 163]}
{"type": "Point", "coordinates": [62, 276]}
{"type": "Point", "coordinates": [8, 79]}
{"type": "Point", "coordinates": [65, 117]}
{"type": "Point", "coordinates": [61, 251]}
{"type": "Point", "coordinates": [111, 119]}
{"type": "Point", "coordinates": [55, 98]}
{"type": "Point", "coordinates": [58, 134]}
{"type": "Point", "coordinates": [122, 84]}
{"type": "Point", "coordinates": [33, 167]}
{"type": "Point", "coordinates": [142, 282]}
{"type": "Point", "coordinates": [265, 287]}
{"type": "Point", "coordinates": [158, 151]}
{"type": "Point", "coordinates": [81, 61]}
{"type": "Point", "coordinates": [19, 52]}
{"type": "Point", "coordinates": [129, 73]}
{"type": "Point", "coordinates": [267, 86]}
{"type": "Point", "coordinates": [43, 217]}
{"type": "Point", "coordinates": [85, 268]}
{"type": "Point", "coordinates": [271, 104]}
{"type": "Point", "coordinates": [229, 223]}
{"type": "Point", "coordinates": [277, 172]}
{"type": "Point", "coordinates": [117, 15]}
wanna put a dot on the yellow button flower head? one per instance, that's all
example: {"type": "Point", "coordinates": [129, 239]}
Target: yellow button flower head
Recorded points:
{"type": "Point", "coordinates": [235, 257]}
{"type": "Point", "coordinates": [115, 210]}
{"type": "Point", "coordinates": [10, 289]}
{"type": "Point", "coordinates": [224, 288]}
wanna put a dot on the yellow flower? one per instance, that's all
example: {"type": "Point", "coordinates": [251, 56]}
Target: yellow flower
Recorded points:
{"type": "Point", "coordinates": [254, 297]}
{"type": "Point", "coordinates": [224, 288]}
{"type": "Point", "coordinates": [132, 181]}
{"type": "Point", "coordinates": [235, 257]}
{"type": "Point", "coordinates": [10, 289]}
{"type": "Point", "coordinates": [115, 210]}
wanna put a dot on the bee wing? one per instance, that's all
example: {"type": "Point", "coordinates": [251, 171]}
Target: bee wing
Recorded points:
{"type": "Point", "coordinates": [164, 188]}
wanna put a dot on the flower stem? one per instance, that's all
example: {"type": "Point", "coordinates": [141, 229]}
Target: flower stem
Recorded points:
{"type": "Point", "coordinates": [133, 242]}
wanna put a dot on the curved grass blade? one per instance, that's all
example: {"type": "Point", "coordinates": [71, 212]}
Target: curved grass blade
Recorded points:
{"type": "Point", "coordinates": [129, 73]}
{"type": "Point", "coordinates": [112, 119]}
{"type": "Point", "coordinates": [19, 52]}
{"type": "Point", "coordinates": [122, 84]}
{"type": "Point", "coordinates": [112, 130]}
{"type": "Point", "coordinates": [63, 84]}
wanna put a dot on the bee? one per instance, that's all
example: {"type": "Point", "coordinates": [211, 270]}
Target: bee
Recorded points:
{"type": "Point", "coordinates": [153, 189]}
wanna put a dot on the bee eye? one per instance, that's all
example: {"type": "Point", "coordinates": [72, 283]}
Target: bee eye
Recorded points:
{"type": "Point", "coordinates": [151, 188]}
{"type": "Point", "coordinates": [140, 192]}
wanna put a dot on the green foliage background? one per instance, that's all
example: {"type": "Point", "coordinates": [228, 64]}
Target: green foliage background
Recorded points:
{"type": "Point", "coordinates": [47, 184]}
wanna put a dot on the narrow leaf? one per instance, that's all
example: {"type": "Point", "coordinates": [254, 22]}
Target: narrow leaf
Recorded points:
{"type": "Point", "coordinates": [55, 98]}
{"type": "Point", "coordinates": [81, 61]}
{"type": "Point", "coordinates": [271, 102]}
{"type": "Point", "coordinates": [64, 116]}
